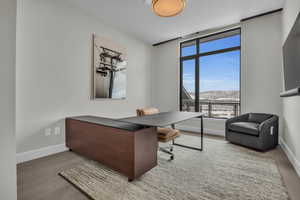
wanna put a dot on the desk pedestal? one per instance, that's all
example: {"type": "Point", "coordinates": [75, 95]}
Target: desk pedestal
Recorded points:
{"type": "Point", "coordinates": [131, 153]}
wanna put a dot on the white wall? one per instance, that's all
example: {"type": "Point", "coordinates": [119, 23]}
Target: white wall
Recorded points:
{"type": "Point", "coordinates": [262, 64]}
{"type": "Point", "coordinates": [7, 100]}
{"type": "Point", "coordinates": [261, 59]}
{"type": "Point", "coordinates": [291, 105]}
{"type": "Point", "coordinates": [165, 76]}
{"type": "Point", "coordinates": [290, 12]}
{"type": "Point", "coordinates": [54, 52]}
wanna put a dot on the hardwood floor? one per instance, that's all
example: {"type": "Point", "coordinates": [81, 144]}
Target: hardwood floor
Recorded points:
{"type": "Point", "coordinates": [39, 180]}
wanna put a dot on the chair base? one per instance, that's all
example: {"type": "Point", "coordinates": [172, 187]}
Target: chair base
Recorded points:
{"type": "Point", "coordinates": [252, 142]}
{"type": "Point", "coordinates": [168, 150]}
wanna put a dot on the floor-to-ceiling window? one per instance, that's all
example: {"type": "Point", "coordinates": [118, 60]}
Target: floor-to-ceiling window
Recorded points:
{"type": "Point", "coordinates": [210, 75]}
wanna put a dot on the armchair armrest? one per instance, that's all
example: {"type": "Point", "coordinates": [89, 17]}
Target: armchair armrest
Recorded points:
{"type": "Point", "coordinates": [266, 125]}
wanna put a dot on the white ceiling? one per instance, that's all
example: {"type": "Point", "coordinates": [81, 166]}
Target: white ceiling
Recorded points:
{"type": "Point", "coordinates": [135, 16]}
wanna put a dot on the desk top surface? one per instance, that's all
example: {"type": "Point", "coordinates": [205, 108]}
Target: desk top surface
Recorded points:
{"type": "Point", "coordinates": [108, 122]}
{"type": "Point", "coordinates": [162, 119]}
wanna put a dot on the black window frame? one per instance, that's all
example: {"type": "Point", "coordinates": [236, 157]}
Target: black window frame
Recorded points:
{"type": "Point", "coordinates": [197, 56]}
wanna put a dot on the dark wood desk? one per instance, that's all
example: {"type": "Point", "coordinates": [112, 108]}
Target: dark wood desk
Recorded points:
{"type": "Point", "coordinates": [127, 148]}
{"type": "Point", "coordinates": [166, 119]}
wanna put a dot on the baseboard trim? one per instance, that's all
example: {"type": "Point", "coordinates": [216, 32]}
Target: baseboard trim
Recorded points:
{"type": "Point", "coordinates": [197, 130]}
{"type": "Point", "coordinates": [39, 153]}
{"type": "Point", "coordinates": [291, 156]}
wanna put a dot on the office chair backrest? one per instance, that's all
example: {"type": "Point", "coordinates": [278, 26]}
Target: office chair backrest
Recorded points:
{"type": "Point", "coordinates": [146, 111]}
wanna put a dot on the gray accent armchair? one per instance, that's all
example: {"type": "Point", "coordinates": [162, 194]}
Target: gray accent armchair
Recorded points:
{"type": "Point", "coordinates": [258, 131]}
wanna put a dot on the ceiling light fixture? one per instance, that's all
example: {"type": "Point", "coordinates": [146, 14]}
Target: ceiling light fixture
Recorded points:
{"type": "Point", "coordinates": [168, 8]}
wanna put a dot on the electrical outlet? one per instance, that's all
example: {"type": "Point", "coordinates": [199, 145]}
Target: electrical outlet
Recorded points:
{"type": "Point", "coordinates": [47, 131]}
{"type": "Point", "coordinates": [57, 131]}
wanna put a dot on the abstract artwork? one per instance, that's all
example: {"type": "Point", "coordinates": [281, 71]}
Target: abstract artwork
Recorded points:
{"type": "Point", "coordinates": [109, 69]}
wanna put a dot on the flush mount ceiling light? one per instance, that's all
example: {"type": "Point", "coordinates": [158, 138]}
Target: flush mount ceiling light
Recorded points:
{"type": "Point", "coordinates": [168, 8]}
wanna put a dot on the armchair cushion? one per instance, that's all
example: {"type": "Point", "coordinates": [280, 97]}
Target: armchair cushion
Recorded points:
{"type": "Point", "coordinates": [250, 128]}
{"type": "Point", "coordinates": [258, 117]}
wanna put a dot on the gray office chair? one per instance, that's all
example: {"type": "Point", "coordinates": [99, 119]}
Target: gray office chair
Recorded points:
{"type": "Point", "coordinates": [164, 135]}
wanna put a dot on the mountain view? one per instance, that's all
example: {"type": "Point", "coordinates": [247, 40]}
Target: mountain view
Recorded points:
{"type": "Point", "coordinates": [228, 95]}
{"type": "Point", "coordinates": [221, 95]}
{"type": "Point", "coordinates": [223, 104]}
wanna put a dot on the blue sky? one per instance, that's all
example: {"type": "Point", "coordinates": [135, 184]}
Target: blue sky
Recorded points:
{"type": "Point", "coordinates": [218, 71]}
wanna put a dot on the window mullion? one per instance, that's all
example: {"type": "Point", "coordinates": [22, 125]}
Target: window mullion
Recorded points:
{"type": "Point", "coordinates": [197, 77]}
{"type": "Point", "coordinates": [180, 85]}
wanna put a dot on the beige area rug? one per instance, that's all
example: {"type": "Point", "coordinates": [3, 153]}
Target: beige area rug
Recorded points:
{"type": "Point", "coordinates": [222, 171]}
